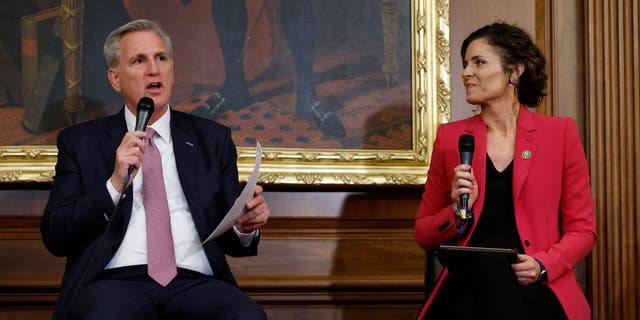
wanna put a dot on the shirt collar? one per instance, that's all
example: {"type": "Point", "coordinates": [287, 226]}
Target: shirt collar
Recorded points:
{"type": "Point", "coordinates": [161, 126]}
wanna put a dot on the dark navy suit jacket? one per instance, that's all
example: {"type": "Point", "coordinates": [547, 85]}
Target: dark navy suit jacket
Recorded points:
{"type": "Point", "coordinates": [75, 216]}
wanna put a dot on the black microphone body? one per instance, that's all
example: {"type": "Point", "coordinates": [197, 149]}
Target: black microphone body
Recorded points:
{"type": "Point", "coordinates": [466, 145]}
{"type": "Point", "coordinates": [145, 110]}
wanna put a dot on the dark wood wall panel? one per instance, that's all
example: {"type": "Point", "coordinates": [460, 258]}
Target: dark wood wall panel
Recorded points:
{"type": "Point", "coordinates": [612, 70]}
{"type": "Point", "coordinates": [323, 255]}
{"type": "Point", "coordinates": [363, 258]}
{"type": "Point", "coordinates": [369, 312]}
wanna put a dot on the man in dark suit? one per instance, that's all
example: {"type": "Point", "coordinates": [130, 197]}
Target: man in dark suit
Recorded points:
{"type": "Point", "coordinates": [112, 254]}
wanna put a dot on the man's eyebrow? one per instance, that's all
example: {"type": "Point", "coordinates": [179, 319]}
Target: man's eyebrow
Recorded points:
{"type": "Point", "coordinates": [137, 56]}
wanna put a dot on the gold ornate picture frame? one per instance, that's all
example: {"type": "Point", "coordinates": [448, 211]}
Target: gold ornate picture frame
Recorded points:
{"type": "Point", "coordinates": [303, 166]}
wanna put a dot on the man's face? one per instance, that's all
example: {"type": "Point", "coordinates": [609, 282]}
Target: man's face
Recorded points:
{"type": "Point", "coordinates": [145, 70]}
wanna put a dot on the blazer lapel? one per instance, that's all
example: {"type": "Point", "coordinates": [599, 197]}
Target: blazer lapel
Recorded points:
{"type": "Point", "coordinates": [479, 131]}
{"type": "Point", "coordinates": [525, 150]}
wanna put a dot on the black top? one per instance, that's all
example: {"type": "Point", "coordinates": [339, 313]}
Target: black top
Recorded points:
{"type": "Point", "coordinates": [484, 286]}
{"type": "Point", "coordinates": [497, 227]}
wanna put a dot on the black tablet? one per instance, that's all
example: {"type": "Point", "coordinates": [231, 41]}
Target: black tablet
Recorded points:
{"type": "Point", "coordinates": [454, 254]}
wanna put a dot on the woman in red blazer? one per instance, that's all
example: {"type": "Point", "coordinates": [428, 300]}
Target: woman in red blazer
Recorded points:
{"type": "Point", "coordinates": [528, 188]}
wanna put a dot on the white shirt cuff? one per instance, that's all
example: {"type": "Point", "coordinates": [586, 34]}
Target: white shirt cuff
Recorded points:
{"type": "Point", "coordinates": [246, 238]}
{"type": "Point", "coordinates": [112, 191]}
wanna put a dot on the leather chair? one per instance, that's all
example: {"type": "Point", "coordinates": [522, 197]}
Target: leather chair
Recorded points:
{"type": "Point", "coordinates": [431, 266]}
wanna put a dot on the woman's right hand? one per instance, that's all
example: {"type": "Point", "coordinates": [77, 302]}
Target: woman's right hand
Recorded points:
{"type": "Point", "coordinates": [464, 181]}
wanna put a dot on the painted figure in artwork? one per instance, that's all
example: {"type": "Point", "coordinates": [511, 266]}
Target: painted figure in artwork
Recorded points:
{"type": "Point", "coordinates": [297, 19]}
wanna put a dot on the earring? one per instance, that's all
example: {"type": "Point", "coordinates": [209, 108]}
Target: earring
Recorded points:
{"type": "Point", "coordinates": [513, 83]}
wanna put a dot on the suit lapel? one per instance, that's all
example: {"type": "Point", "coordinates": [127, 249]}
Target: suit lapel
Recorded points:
{"type": "Point", "coordinates": [525, 150]}
{"type": "Point", "coordinates": [186, 148]}
{"type": "Point", "coordinates": [116, 127]}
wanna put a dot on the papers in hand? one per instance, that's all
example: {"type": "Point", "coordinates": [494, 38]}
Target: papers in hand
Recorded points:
{"type": "Point", "coordinates": [238, 209]}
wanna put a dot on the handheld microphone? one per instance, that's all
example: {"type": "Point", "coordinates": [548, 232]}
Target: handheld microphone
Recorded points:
{"type": "Point", "coordinates": [145, 110]}
{"type": "Point", "coordinates": [466, 145]}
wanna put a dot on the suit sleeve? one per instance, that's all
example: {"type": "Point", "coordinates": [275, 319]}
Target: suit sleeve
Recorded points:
{"type": "Point", "coordinates": [435, 220]}
{"type": "Point", "coordinates": [229, 241]}
{"type": "Point", "coordinates": [576, 209]}
{"type": "Point", "coordinates": [75, 212]}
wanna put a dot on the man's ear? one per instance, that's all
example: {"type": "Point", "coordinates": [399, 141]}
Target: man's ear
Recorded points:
{"type": "Point", "coordinates": [114, 79]}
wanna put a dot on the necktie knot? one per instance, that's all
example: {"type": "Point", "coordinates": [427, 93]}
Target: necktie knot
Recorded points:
{"type": "Point", "coordinates": [151, 133]}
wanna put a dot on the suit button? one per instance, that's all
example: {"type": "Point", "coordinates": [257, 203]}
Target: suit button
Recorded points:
{"type": "Point", "coordinates": [526, 243]}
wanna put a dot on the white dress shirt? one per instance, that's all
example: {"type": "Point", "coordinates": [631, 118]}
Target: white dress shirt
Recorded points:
{"type": "Point", "coordinates": [188, 248]}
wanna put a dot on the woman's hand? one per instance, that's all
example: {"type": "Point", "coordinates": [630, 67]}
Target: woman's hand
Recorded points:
{"type": "Point", "coordinates": [464, 182]}
{"type": "Point", "coordinates": [527, 269]}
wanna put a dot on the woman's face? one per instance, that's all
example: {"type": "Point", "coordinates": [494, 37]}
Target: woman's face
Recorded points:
{"type": "Point", "coordinates": [485, 80]}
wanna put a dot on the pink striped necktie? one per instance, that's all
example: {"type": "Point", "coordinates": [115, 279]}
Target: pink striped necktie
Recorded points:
{"type": "Point", "coordinates": [161, 259]}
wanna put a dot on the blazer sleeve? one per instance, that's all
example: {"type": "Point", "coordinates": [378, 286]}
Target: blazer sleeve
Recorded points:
{"type": "Point", "coordinates": [435, 220]}
{"type": "Point", "coordinates": [576, 209]}
{"type": "Point", "coordinates": [75, 212]}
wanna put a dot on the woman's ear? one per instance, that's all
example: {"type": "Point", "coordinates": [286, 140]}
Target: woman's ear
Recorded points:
{"type": "Point", "coordinates": [515, 73]}
{"type": "Point", "coordinates": [114, 79]}
{"type": "Point", "coordinates": [518, 69]}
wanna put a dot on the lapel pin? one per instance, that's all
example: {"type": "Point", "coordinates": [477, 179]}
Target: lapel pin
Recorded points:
{"type": "Point", "coordinates": [526, 154]}
{"type": "Point", "coordinates": [189, 143]}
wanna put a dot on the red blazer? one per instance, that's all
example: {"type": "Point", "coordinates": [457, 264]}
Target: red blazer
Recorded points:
{"type": "Point", "coordinates": [549, 186]}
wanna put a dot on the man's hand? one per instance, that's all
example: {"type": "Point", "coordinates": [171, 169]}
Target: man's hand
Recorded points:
{"type": "Point", "coordinates": [257, 213]}
{"type": "Point", "coordinates": [130, 152]}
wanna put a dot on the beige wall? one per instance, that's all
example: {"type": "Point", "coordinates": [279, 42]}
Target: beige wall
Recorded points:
{"type": "Point", "coordinates": [466, 16]}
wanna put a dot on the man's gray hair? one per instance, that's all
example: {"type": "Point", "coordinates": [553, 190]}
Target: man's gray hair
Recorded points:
{"type": "Point", "coordinates": [111, 48]}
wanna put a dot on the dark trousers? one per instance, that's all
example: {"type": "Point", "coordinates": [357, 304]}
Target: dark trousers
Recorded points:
{"type": "Point", "coordinates": [129, 293]}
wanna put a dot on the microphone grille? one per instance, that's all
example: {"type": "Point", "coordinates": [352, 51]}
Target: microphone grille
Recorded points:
{"type": "Point", "coordinates": [146, 104]}
{"type": "Point", "coordinates": [466, 143]}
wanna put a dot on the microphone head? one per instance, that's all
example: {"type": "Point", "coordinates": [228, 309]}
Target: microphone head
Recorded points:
{"type": "Point", "coordinates": [466, 143]}
{"type": "Point", "coordinates": [145, 109]}
{"type": "Point", "coordinates": [146, 104]}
